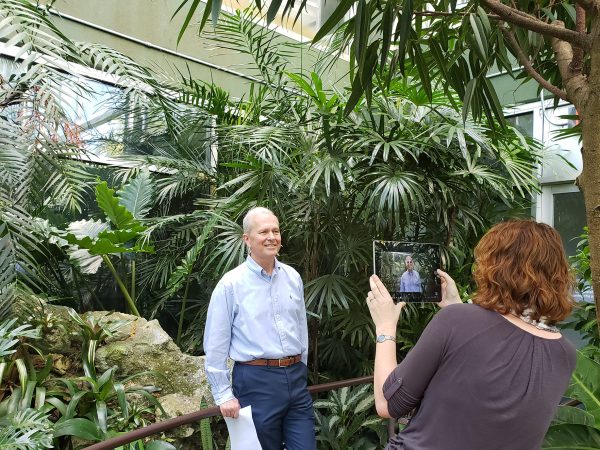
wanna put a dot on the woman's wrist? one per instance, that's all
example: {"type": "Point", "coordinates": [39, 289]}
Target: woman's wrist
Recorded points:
{"type": "Point", "coordinates": [387, 330]}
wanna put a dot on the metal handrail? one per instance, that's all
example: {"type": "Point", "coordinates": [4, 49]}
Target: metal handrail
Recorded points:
{"type": "Point", "coordinates": [205, 413]}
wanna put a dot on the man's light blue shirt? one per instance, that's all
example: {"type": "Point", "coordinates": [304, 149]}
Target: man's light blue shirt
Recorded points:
{"type": "Point", "coordinates": [252, 315]}
{"type": "Point", "coordinates": [410, 281]}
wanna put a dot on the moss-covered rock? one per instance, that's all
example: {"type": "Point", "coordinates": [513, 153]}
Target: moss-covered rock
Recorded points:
{"type": "Point", "coordinates": [142, 346]}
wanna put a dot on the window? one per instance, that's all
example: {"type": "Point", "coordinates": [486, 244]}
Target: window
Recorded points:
{"type": "Point", "coordinates": [110, 121]}
{"type": "Point", "coordinates": [569, 218]}
{"type": "Point", "coordinates": [522, 122]}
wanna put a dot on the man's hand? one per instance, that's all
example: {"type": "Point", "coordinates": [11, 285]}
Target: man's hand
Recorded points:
{"type": "Point", "coordinates": [231, 408]}
{"type": "Point", "coordinates": [450, 293]}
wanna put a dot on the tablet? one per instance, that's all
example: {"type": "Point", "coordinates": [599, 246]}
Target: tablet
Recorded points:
{"type": "Point", "coordinates": [408, 270]}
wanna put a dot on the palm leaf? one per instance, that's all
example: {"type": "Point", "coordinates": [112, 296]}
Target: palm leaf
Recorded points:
{"type": "Point", "coordinates": [329, 292]}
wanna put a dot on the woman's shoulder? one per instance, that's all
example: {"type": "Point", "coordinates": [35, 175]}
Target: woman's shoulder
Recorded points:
{"type": "Point", "coordinates": [462, 319]}
{"type": "Point", "coordinates": [465, 311]}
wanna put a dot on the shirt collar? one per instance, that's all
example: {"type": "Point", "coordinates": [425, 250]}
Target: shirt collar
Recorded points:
{"type": "Point", "coordinates": [257, 269]}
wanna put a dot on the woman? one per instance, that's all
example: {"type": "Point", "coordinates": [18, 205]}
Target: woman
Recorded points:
{"type": "Point", "coordinates": [488, 375]}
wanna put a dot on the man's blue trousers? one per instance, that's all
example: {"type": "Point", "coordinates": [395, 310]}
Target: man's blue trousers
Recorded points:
{"type": "Point", "coordinates": [281, 405]}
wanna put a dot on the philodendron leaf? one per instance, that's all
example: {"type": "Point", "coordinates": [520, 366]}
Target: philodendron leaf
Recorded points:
{"type": "Point", "coordinates": [83, 242]}
{"type": "Point", "coordinates": [87, 228]}
{"type": "Point", "coordinates": [119, 216]}
{"type": "Point", "coordinates": [570, 436]}
{"type": "Point", "coordinates": [119, 237]}
{"type": "Point", "coordinates": [137, 195]}
{"type": "Point", "coordinates": [105, 247]}
{"type": "Point", "coordinates": [573, 415]}
{"type": "Point", "coordinates": [585, 385]}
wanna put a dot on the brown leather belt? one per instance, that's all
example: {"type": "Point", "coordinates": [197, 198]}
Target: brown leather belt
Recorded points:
{"type": "Point", "coordinates": [281, 362]}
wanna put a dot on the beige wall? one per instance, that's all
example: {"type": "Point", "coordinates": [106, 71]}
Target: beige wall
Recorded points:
{"type": "Point", "coordinates": [150, 21]}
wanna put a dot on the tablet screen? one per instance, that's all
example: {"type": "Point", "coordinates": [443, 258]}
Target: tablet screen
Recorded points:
{"type": "Point", "coordinates": [407, 269]}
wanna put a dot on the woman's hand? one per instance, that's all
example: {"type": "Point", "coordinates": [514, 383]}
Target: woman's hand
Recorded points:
{"type": "Point", "coordinates": [384, 312]}
{"type": "Point", "coordinates": [450, 293]}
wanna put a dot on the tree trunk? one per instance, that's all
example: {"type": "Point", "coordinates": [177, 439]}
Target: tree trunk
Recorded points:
{"type": "Point", "coordinates": [590, 186]}
{"type": "Point", "coordinates": [584, 92]}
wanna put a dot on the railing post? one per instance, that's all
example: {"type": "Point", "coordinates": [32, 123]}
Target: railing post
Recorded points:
{"type": "Point", "coordinates": [392, 427]}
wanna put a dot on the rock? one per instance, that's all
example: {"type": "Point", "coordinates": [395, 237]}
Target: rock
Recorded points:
{"type": "Point", "coordinates": [135, 346]}
{"type": "Point", "coordinates": [177, 405]}
{"type": "Point", "coordinates": [143, 346]}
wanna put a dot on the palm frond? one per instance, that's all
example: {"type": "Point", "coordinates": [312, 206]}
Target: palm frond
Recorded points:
{"type": "Point", "coordinates": [20, 247]}
{"type": "Point", "coordinates": [329, 292]}
{"type": "Point", "coordinates": [28, 429]}
{"type": "Point", "coordinates": [395, 193]}
{"type": "Point", "coordinates": [239, 32]}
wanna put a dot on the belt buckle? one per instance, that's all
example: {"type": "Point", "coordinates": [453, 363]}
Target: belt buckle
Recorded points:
{"type": "Point", "coordinates": [279, 361]}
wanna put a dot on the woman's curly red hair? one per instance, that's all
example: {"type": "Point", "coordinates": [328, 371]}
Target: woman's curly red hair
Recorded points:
{"type": "Point", "coordinates": [522, 264]}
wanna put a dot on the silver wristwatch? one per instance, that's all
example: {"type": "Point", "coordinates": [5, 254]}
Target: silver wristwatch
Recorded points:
{"type": "Point", "coordinates": [384, 337]}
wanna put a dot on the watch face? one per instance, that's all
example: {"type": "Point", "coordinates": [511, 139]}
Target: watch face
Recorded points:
{"type": "Point", "coordinates": [383, 338]}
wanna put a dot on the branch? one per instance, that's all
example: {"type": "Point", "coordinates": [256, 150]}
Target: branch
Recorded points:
{"type": "Point", "coordinates": [528, 22]}
{"type": "Point", "coordinates": [435, 14]}
{"type": "Point", "coordinates": [577, 62]}
{"type": "Point", "coordinates": [575, 83]}
{"type": "Point", "coordinates": [526, 63]}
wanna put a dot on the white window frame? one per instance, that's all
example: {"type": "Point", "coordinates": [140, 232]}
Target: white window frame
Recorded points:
{"type": "Point", "coordinates": [545, 204]}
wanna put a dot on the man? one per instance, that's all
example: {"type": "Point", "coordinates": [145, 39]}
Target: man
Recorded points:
{"type": "Point", "coordinates": [410, 281]}
{"type": "Point", "coordinates": [257, 317]}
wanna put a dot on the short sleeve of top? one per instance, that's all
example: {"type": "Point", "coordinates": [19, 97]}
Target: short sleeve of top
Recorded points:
{"type": "Point", "coordinates": [405, 386]}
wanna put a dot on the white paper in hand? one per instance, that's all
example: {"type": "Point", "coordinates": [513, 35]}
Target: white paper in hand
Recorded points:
{"type": "Point", "coordinates": [242, 432]}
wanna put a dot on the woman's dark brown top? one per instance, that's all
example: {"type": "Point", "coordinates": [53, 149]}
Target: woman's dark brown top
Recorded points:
{"type": "Point", "coordinates": [479, 383]}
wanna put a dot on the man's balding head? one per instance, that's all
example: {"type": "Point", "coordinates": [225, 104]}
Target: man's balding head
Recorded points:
{"type": "Point", "coordinates": [248, 221]}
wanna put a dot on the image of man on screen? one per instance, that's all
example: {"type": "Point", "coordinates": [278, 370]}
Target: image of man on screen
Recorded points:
{"type": "Point", "coordinates": [410, 281]}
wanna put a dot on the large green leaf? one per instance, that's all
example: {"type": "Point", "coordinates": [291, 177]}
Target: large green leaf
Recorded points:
{"type": "Point", "coordinates": [585, 385]}
{"type": "Point", "coordinates": [78, 427]}
{"type": "Point", "coordinates": [118, 214]}
{"type": "Point", "coordinates": [86, 228]}
{"type": "Point", "coordinates": [571, 437]}
{"type": "Point", "coordinates": [573, 415]}
{"type": "Point", "coordinates": [137, 196]}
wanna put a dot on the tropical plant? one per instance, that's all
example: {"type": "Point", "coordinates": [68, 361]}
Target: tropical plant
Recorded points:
{"type": "Point", "coordinates": [45, 168]}
{"type": "Point", "coordinates": [583, 318]}
{"type": "Point", "coordinates": [213, 439]}
{"type": "Point", "coordinates": [552, 43]}
{"type": "Point", "coordinates": [28, 429]}
{"type": "Point", "coordinates": [24, 417]}
{"type": "Point", "coordinates": [96, 407]}
{"type": "Point", "coordinates": [578, 426]}
{"type": "Point", "coordinates": [402, 168]}
{"type": "Point", "coordinates": [150, 445]}
{"type": "Point", "coordinates": [581, 263]}
{"type": "Point", "coordinates": [91, 242]}
{"type": "Point", "coordinates": [346, 420]}
{"type": "Point", "coordinates": [37, 412]}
